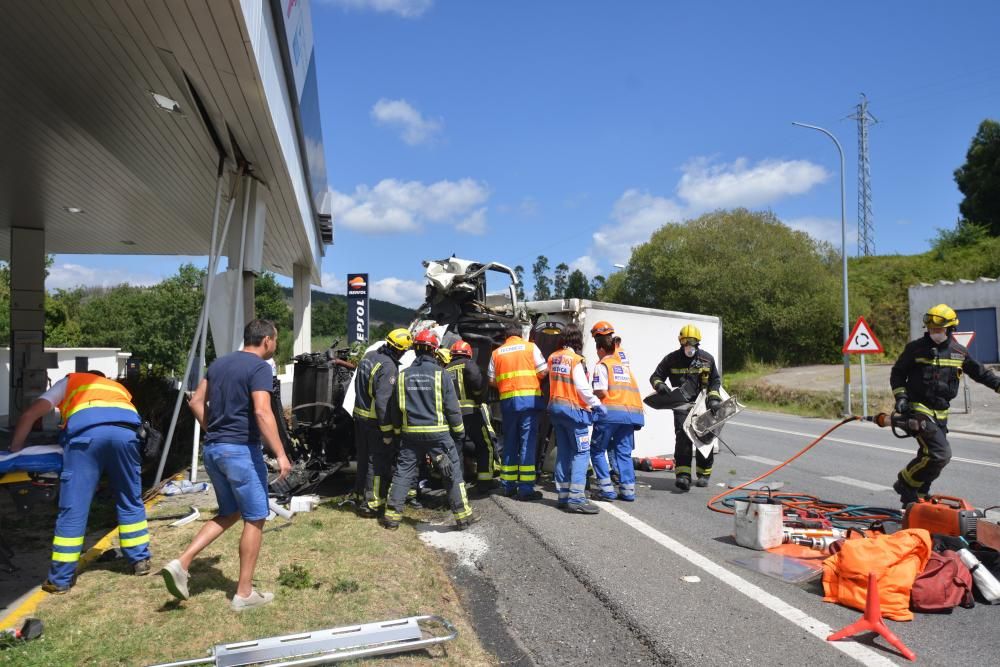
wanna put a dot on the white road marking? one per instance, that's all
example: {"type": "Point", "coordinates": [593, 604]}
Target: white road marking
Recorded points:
{"type": "Point", "coordinates": [760, 459]}
{"type": "Point", "coordinates": [798, 617]}
{"type": "Point", "coordinates": [811, 436]}
{"type": "Point", "coordinates": [859, 483]}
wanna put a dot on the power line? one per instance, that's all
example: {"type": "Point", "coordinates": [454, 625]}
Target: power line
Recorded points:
{"type": "Point", "coordinates": [866, 221]}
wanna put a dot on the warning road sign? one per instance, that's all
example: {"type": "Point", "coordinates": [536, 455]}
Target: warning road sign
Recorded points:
{"type": "Point", "coordinates": [862, 340]}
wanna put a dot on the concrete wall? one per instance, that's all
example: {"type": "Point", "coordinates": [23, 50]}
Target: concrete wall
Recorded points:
{"type": "Point", "coordinates": [960, 295]}
{"type": "Point", "coordinates": [108, 360]}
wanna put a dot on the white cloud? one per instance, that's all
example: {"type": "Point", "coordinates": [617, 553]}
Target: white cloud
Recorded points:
{"type": "Point", "coordinates": [824, 229]}
{"type": "Point", "coordinates": [399, 114]}
{"type": "Point", "coordinates": [408, 9]}
{"type": "Point", "coordinates": [404, 292]}
{"type": "Point", "coordinates": [586, 264]}
{"type": "Point", "coordinates": [398, 206]}
{"type": "Point", "coordinates": [703, 186]}
{"type": "Point", "coordinates": [706, 186]}
{"type": "Point", "coordinates": [68, 276]}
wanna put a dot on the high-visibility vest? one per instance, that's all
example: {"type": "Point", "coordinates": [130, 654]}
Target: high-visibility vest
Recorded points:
{"type": "Point", "coordinates": [623, 401]}
{"type": "Point", "coordinates": [515, 376]}
{"type": "Point", "coordinates": [564, 399]}
{"type": "Point", "coordinates": [91, 400]}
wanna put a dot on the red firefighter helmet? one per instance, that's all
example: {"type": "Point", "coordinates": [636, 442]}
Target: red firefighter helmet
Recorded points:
{"type": "Point", "coordinates": [428, 338]}
{"type": "Point", "coordinates": [461, 349]}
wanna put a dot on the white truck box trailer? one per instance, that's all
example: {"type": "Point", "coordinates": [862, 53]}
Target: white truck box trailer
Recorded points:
{"type": "Point", "coordinates": [647, 334]}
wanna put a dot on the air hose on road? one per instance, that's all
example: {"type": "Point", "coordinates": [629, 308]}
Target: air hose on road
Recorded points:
{"type": "Point", "coordinates": [834, 512]}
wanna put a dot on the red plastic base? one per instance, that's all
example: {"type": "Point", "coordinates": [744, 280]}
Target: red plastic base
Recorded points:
{"type": "Point", "coordinates": [872, 622]}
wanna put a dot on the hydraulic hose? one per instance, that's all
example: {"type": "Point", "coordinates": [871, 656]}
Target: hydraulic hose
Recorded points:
{"type": "Point", "coordinates": [725, 510]}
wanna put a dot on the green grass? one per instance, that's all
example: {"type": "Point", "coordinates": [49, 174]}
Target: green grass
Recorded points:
{"type": "Point", "coordinates": [326, 569]}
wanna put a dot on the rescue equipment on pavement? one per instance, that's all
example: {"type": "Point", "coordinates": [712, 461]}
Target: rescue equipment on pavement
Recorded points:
{"type": "Point", "coordinates": [322, 647]}
{"type": "Point", "coordinates": [943, 515]}
{"type": "Point", "coordinates": [757, 523]}
{"type": "Point", "coordinates": [653, 463]}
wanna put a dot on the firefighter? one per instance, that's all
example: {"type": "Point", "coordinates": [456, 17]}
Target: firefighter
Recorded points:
{"type": "Point", "coordinates": [471, 398]}
{"type": "Point", "coordinates": [614, 434]}
{"type": "Point", "coordinates": [924, 379]}
{"type": "Point", "coordinates": [572, 408]}
{"type": "Point", "coordinates": [516, 369]}
{"type": "Point", "coordinates": [98, 433]}
{"type": "Point", "coordinates": [425, 415]}
{"type": "Point", "coordinates": [374, 382]}
{"type": "Point", "coordinates": [691, 370]}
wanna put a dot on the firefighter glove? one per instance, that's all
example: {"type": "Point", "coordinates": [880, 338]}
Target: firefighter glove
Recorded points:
{"type": "Point", "coordinates": [713, 404]}
{"type": "Point", "coordinates": [902, 405]}
{"type": "Point", "coordinates": [662, 388]}
{"type": "Point", "coordinates": [386, 441]}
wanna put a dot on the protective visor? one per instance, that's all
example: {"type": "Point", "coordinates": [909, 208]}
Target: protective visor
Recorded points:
{"type": "Point", "coordinates": [690, 341]}
{"type": "Point", "coordinates": [936, 321]}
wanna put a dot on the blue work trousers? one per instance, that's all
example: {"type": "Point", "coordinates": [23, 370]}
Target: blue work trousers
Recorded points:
{"type": "Point", "coordinates": [572, 458]}
{"type": "Point", "coordinates": [105, 449]}
{"type": "Point", "coordinates": [614, 442]}
{"type": "Point", "coordinates": [520, 435]}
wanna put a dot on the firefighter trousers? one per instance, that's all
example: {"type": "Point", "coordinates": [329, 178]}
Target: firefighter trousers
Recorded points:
{"type": "Point", "coordinates": [374, 461]}
{"type": "Point", "coordinates": [479, 431]}
{"type": "Point", "coordinates": [684, 450]}
{"type": "Point", "coordinates": [933, 455]}
{"type": "Point", "coordinates": [110, 450]}
{"type": "Point", "coordinates": [444, 454]}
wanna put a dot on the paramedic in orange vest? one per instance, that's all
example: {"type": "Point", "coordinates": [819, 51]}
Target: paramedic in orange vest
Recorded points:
{"type": "Point", "coordinates": [572, 408]}
{"type": "Point", "coordinates": [614, 434]}
{"type": "Point", "coordinates": [516, 369]}
{"type": "Point", "coordinates": [98, 436]}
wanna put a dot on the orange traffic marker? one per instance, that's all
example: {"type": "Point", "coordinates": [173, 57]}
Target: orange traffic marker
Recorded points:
{"type": "Point", "coordinates": [872, 622]}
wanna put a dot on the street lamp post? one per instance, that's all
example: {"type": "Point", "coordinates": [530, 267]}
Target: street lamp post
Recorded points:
{"type": "Point", "coordinates": [843, 252]}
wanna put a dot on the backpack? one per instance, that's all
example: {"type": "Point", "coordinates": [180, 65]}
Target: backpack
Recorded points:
{"type": "Point", "coordinates": [944, 584]}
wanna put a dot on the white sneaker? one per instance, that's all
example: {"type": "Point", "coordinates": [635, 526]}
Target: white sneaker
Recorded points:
{"type": "Point", "coordinates": [255, 599]}
{"type": "Point", "coordinates": [176, 579]}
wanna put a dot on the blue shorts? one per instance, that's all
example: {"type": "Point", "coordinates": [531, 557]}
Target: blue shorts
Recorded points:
{"type": "Point", "coordinates": [239, 476]}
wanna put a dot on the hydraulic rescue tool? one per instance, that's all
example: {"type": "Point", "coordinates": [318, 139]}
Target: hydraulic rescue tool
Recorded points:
{"type": "Point", "coordinates": [944, 515]}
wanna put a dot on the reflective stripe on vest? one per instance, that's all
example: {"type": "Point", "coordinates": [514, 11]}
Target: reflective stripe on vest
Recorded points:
{"type": "Point", "coordinates": [360, 411]}
{"type": "Point", "coordinates": [440, 426]}
{"type": "Point", "coordinates": [84, 391]}
{"type": "Point", "coordinates": [562, 390]}
{"type": "Point", "coordinates": [622, 390]}
{"type": "Point", "coordinates": [458, 372]}
{"type": "Point", "coordinates": [514, 369]}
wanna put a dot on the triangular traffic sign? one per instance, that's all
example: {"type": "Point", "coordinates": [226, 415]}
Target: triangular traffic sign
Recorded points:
{"type": "Point", "coordinates": [963, 338]}
{"type": "Point", "coordinates": [862, 340]}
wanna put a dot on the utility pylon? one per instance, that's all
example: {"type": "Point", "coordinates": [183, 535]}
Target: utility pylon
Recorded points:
{"type": "Point", "coordinates": [866, 222]}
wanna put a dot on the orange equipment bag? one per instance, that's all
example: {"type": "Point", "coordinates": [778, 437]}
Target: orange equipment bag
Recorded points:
{"type": "Point", "coordinates": [895, 559]}
{"type": "Point", "coordinates": [943, 515]}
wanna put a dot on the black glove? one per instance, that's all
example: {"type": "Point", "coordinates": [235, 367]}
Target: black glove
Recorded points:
{"type": "Point", "coordinates": [713, 404]}
{"type": "Point", "coordinates": [662, 388]}
{"type": "Point", "coordinates": [902, 405]}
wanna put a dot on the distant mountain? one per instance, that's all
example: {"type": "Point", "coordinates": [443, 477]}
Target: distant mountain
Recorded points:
{"type": "Point", "coordinates": [381, 311]}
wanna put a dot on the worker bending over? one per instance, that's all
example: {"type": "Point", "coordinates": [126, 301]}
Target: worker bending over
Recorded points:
{"type": "Point", "coordinates": [471, 398]}
{"type": "Point", "coordinates": [924, 379]}
{"type": "Point", "coordinates": [691, 370]}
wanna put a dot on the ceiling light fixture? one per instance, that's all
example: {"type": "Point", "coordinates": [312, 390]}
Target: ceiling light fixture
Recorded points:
{"type": "Point", "coordinates": [165, 103]}
{"type": "Point", "coordinates": [127, 242]}
{"type": "Point", "coordinates": [73, 209]}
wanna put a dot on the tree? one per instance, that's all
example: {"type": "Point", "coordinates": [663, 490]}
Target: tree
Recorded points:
{"type": "Point", "coordinates": [329, 318]}
{"type": "Point", "coordinates": [577, 286]}
{"type": "Point", "coordinates": [270, 304]}
{"type": "Point", "coordinates": [559, 284]}
{"type": "Point", "coordinates": [543, 284]}
{"type": "Point", "coordinates": [775, 289]}
{"type": "Point", "coordinates": [979, 178]}
{"type": "Point", "coordinates": [597, 286]}
{"type": "Point", "coordinates": [519, 272]}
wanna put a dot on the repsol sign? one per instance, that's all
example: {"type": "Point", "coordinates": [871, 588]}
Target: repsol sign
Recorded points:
{"type": "Point", "coordinates": [357, 307]}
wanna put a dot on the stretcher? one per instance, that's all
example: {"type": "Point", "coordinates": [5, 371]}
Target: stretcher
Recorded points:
{"type": "Point", "coordinates": [29, 475]}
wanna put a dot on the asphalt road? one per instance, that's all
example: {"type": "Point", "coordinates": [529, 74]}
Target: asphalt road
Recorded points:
{"type": "Point", "coordinates": [633, 557]}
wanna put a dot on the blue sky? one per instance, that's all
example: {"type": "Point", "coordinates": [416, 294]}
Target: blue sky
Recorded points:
{"type": "Point", "coordinates": [504, 130]}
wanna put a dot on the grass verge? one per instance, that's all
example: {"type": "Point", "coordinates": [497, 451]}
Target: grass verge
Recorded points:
{"type": "Point", "coordinates": [327, 568]}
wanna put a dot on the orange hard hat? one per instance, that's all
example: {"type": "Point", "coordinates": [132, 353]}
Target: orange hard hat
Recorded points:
{"type": "Point", "coordinates": [461, 348]}
{"type": "Point", "coordinates": [602, 328]}
{"type": "Point", "coordinates": [427, 337]}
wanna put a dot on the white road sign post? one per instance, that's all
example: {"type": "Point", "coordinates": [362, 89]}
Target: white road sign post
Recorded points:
{"type": "Point", "coordinates": [862, 341]}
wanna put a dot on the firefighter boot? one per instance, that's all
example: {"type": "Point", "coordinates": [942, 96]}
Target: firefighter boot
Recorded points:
{"type": "Point", "coordinates": [683, 482]}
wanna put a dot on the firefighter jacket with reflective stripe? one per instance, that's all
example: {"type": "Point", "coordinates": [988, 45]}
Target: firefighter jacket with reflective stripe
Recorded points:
{"type": "Point", "coordinates": [91, 400]}
{"type": "Point", "coordinates": [564, 396]}
{"type": "Point", "coordinates": [425, 406]}
{"type": "Point", "coordinates": [468, 383]}
{"type": "Point", "coordinates": [689, 374]}
{"type": "Point", "coordinates": [928, 375]}
{"type": "Point", "coordinates": [374, 381]}
{"type": "Point", "coordinates": [623, 401]}
{"type": "Point", "coordinates": [516, 376]}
